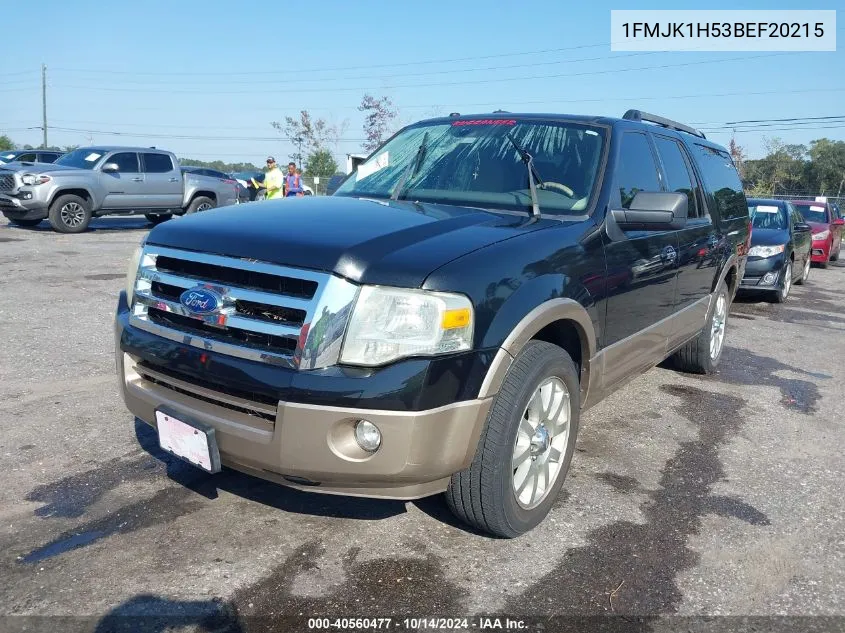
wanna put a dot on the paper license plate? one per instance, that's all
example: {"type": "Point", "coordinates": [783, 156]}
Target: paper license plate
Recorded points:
{"type": "Point", "coordinates": [196, 445]}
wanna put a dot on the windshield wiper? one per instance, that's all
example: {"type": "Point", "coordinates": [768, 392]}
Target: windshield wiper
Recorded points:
{"type": "Point", "coordinates": [412, 168]}
{"type": "Point", "coordinates": [534, 178]}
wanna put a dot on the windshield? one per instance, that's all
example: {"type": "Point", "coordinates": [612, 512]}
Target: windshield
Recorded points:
{"type": "Point", "coordinates": [81, 158]}
{"type": "Point", "coordinates": [767, 216]}
{"type": "Point", "coordinates": [813, 212]}
{"type": "Point", "coordinates": [472, 162]}
{"type": "Point", "coordinates": [7, 157]}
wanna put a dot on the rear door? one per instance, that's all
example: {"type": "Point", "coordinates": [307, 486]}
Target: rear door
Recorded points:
{"type": "Point", "coordinates": [125, 187]}
{"type": "Point", "coordinates": [645, 296]}
{"type": "Point", "coordinates": [163, 181]}
{"type": "Point", "coordinates": [697, 241]}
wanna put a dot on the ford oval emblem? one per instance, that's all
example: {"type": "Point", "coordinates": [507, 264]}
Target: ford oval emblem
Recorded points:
{"type": "Point", "coordinates": [200, 300]}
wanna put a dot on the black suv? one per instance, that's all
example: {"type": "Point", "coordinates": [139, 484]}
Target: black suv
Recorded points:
{"type": "Point", "coordinates": [438, 324]}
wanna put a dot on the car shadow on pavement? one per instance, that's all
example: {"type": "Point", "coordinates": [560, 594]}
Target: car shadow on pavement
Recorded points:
{"type": "Point", "coordinates": [98, 225]}
{"type": "Point", "coordinates": [154, 614]}
{"type": "Point", "coordinates": [264, 492]}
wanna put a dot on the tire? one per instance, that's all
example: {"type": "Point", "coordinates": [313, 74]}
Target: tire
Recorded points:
{"type": "Point", "coordinates": [199, 204]}
{"type": "Point", "coordinates": [485, 495]}
{"type": "Point", "coordinates": [22, 222]}
{"type": "Point", "coordinates": [70, 214]}
{"type": "Point", "coordinates": [805, 274]}
{"type": "Point", "coordinates": [260, 195]}
{"type": "Point", "coordinates": [157, 218]}
{"type": "Point", "coordinates": [782, 294]}
{"type": "Point", "coordinates": [696, 357]}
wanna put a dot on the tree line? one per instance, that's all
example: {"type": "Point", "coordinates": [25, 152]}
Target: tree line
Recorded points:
{"type": "Point", "coordinates": [814, 169]}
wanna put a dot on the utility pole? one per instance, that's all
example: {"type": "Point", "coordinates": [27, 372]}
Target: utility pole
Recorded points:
{"type": "Point", "coordinates": [44, 101]}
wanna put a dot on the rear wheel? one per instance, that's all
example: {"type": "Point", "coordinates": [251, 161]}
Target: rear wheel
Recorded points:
{"type": "Point", "coordinates": [157, 218]}
{"type": "Point", "coordinates": [199, 204]}
{"type": "Point", "coordinates": [805, 274]}
{"type": "Point", "coordinates": [21, 222]}
{"type": "Point", "coordinates": [70, 214]}
{"type": "Point", "coordinates": [701, 355]}
{"type": "Point", "coordinates": [526, 447]}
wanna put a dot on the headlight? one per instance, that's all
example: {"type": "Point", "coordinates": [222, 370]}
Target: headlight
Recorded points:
{"type": "Point", "coordinates": [821, 236]}
{"type": "Point", "coordinates": [391, 323]}
{"type": "Point", "coordinates": [32, 179]}
{"type": "Point", "coordinates": [765, 251]}
{"type": "Point", "coordinates": [132, 273]}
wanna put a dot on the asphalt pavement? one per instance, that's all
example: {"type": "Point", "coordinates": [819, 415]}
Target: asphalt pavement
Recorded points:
{"type": "Point", "coordinates": [692, 496]}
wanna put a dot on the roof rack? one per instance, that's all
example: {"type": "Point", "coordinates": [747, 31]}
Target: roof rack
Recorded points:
{"type": "Point", "coordinates": [639, 115]}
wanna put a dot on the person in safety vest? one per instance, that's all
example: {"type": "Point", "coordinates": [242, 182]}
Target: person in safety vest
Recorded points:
{"type": "Point", "coordinates": [293, 182]}
{"type": "Point", "coordinates": [274, 180]}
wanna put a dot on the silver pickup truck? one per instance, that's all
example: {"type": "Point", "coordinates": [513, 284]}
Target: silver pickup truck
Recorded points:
{"type": "Point", "coordinates": [94, 181]}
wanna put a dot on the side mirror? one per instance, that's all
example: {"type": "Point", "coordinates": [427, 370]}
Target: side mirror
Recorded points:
{"type": "Point", "coordinates": [839, 222]}
{"type": "Point", "coordinates": [802, 227]}
{"type": "Point", "coordinates": [111, 168]}
{"type": "Point", "coordinates": [653, 211]}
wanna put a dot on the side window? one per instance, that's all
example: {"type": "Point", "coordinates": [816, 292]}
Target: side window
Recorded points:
{"type": "Point", "coordinates": [49, 158]}
{"type": "Point", "coordinates": [26, 158]}
{"type": "Point", "coordinates": [127, 162]}
{"type": "Point", "coordinates": [678, 172]}
{"type": "Point", "coordinates": [794, 214]}
{"type": "Point", "coordinates": [637, 170]}
{"type": "Point", "coordinates": [157, 163]}
{"type": "Point", "coordinates": [722, 181]}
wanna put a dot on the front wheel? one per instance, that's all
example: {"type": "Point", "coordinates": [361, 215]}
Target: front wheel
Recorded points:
{"type": "Point", "coordinates": [782, 293]}
{"type": "Point", "coordinates": [526, 446]}
{"type": "Point", "coordinates": [70, 214]}
{"type": "Point", "coordinates": [701, 355]}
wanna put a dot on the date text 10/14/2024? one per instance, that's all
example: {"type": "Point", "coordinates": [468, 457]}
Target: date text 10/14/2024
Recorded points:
{"type": "Point", "coordinates": [417, 624]}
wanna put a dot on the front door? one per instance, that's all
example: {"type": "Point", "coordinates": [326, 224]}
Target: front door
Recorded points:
{"type": "Point", "coordinates": [162, 181]}
{"type": "Point", "coordinates": [802, 241]}
{"type": "Point", "coordinates": [125, 187]}
{"type": "Point", "coordinates": [638, 306]}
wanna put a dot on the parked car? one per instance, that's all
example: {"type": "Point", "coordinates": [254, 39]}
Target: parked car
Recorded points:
{"type": "Point", "coordinates": [780, 248]}
{"type": "Point", "coordinates": [95, 181]}
{"type": "Point", "coordinates": [440, 322]}
{"type": "Point", "coordinates": [827, 229]}
{"type": "Point", "coordinates": [214, 173]}
{"type": "Point", "coordinates": [29, 156]}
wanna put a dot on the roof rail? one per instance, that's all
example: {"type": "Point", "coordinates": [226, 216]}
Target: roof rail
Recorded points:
{"type": "Point", "coordinates": [639, 115]}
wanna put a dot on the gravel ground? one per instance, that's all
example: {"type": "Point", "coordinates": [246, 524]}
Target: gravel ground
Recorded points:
{"type": "Point", "coordinates": [691, 496]}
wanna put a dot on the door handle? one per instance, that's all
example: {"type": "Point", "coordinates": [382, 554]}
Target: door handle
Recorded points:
{"type": "Point", "coordinates": [174, 180]}
{"type": "Point", "coordinates": [137, 179]}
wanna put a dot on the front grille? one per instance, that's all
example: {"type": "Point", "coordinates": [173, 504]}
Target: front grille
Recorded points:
{"type": "Point", "coordinates": [264, 310]}
{"type": "Point", "coordinates": [7, 182]}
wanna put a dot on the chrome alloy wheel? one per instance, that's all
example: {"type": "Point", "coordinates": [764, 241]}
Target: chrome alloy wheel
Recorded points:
{"type": "Point", "coordinates": [72, 214]}
{"type": "Point", "coordinates": [787, 281]}
{"type": "Point", "coordinates": [205, 206]}
{"type": "Point", "coordinates": [541, 442]}
{"type": "Point", "coordinates": [806, 269]}
{"type": "Point", "coordinates": [717, 330]}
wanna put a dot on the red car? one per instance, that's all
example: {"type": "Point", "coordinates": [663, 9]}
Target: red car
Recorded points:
{"type": "Point", "coordinates": [827, 229]}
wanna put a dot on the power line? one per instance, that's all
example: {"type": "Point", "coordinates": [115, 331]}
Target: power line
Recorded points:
{"type": "Point", "coordinates": [809, 118]}
{"type": "Point", "coordinates": [268, 138]}
{"type": "Point", "coordinates": [437, 84]}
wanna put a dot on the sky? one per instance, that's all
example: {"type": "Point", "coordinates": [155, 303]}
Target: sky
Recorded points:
{"type": "Point", "coordinates": [206, 79]}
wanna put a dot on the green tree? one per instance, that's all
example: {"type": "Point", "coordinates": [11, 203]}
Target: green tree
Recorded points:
{"type": "Point", "coordinates": [307, 134]}
{"type": "Point", "coordinates": [6, 143]}
{"type": "Point", "coordinates": [826, 169]}
{"type": "Point", "coordinates": [219, 165]}
{"type": "Point", "coordinates": [379, 115]}
{"type": "Point", "coordinates": [321, 163]}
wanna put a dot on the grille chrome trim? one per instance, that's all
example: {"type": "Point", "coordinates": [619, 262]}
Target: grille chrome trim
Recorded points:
{"type": "Point", "coordinates": [7, 182]}
{"type": "Point", "coordinates": [317, 339]}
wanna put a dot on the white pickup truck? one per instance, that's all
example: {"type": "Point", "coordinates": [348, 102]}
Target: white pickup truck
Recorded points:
{"type": "Point", "coordinates": [95, 181]}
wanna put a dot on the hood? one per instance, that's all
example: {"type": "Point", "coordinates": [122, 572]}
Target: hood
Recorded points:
{"type": "Point", "coordinates": [818, 227]}
{"type": "Point", "coordinates": [769, 237]}
{"type": "Point", "coordinates": [41, 168]}
{"type": "Point", "coordinates": [394, 243]}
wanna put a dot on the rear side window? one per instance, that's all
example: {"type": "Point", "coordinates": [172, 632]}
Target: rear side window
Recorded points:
{"type": "Point", "coordinates": [722, 181]}
{"type": "Point", "coordinates": [49, 158]}
{"type": "Point", "coordinates": [157, 163]}
{"type": "Point", "coordinates": [678, 174]}
{"type": "Point", "coordinates": [127, 162]}
{"type": "Point", "coordinates": [637, 170]}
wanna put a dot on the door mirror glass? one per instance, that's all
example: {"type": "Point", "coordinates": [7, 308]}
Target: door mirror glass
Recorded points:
{"type": "Point", "coordinates": [839, 222]}
{"type": "Point", "coordinates": [111, 168]}
{"type": "Point", "coordinates": [654, 211]}
{"type": "Point", "coordinates": [802, 227]}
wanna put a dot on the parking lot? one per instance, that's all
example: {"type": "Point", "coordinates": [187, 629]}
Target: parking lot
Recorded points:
{"type": "Point", "coordinates": [688, 495]}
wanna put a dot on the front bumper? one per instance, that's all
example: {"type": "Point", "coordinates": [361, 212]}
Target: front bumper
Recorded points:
{"type": "Point", "coordinates": [756, 269]}
{"type": "Point", "coordinates": [18, 208]}
{"type": "Point", "coordinates": [820, 252]}
{"type": "Point", "coordinates": [307, 445]}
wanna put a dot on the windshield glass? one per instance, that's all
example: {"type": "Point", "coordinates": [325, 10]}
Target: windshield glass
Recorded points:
{"type": "Point", "coordinates": [472, 162]}
{"type": "Point", "coordinates": [813, 212]}
{"type": "Point", "coordinates": [767, 216]}
{"type": "Point", "coordinates": [81, 158]}
{"type": "Point", "coordinates": [7, 157]}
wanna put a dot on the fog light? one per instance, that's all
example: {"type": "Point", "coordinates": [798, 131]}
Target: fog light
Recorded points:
{"type": "Point", "coordinates": [770, 278]}
{"type": "Point", "coordinates": [367, 435]}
